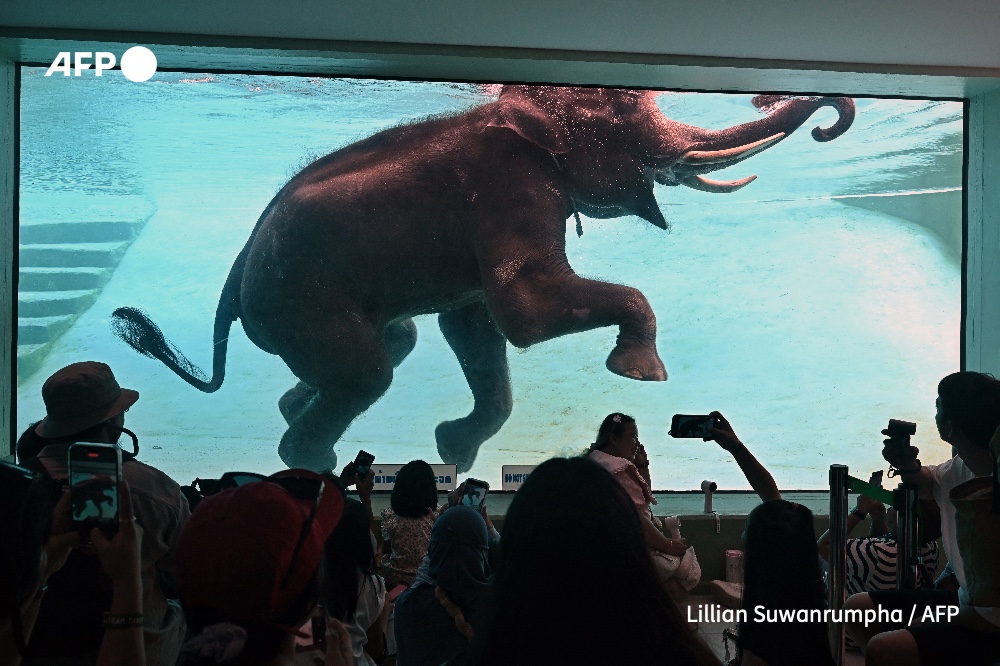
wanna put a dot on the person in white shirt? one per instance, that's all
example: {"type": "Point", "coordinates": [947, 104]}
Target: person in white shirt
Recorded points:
{"type": "Point", "coordinates": [968, 416]}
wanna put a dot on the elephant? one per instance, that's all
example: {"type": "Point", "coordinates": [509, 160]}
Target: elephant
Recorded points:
{"type": "Point", "coordinates": [463, 216]}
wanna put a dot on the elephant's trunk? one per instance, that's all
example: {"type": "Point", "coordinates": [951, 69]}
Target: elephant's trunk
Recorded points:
{"type": "Point", "coordinates": [844, 105]}
{"type": "Point", "coordinates": [784, 116]}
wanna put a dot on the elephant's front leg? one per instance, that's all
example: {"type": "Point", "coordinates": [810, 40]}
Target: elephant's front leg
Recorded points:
{"type": "Point", "coordinates": [482, 352]}
{"type": "Point", "coordinates": [542, 298]}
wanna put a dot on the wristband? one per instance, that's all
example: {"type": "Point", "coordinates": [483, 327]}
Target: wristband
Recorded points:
{"type": "Point", "coordinates": [860, 514]}
{"type": "Point", "coordinates": [116, 621]}
{"type": "Point", "coordinates": [893, 471]}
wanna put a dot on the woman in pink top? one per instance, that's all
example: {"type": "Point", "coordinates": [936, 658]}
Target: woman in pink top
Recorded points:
{"type": "Point", "coordinates": [615, 450]}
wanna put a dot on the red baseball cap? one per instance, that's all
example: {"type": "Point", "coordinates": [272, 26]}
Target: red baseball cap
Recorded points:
{"type": "Point", "coordinates": [249, 552]}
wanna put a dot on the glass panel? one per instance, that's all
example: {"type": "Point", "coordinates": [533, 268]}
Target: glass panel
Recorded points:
{"type": "Point", "coordinates": [810, 306]}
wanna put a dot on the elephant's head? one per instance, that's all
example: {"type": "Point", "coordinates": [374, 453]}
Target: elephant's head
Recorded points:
{"type": "Point", "coordinates": [613, 144]}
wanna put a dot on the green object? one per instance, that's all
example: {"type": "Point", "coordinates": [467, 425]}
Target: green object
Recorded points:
{"type": "Point", "coordinates": [865, 488]}
{"type": "Point", "coordinates": [887, 497]}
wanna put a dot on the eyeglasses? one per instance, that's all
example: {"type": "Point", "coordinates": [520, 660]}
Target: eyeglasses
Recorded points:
{"type": "Point", "coordinates": [237, 479]}
{"type": "Point", "coordinates": [302, 488]}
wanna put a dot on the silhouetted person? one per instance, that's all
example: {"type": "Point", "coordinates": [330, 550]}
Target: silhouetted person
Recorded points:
{"type": "Point", "coordinates": [84, 403]}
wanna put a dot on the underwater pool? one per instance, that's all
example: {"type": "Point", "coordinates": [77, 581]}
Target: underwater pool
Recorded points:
{"type": "Point", "coordinates": [809, 307]}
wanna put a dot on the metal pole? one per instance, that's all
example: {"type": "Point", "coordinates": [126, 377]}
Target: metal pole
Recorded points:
{"type": "Point", "coordinates": [836, 583]}
{"type": "Point", "coordinates": [906, 539]}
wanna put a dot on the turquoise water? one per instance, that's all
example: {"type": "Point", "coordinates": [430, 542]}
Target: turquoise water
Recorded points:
{"type": "Point", "coordinates": [807, 318]}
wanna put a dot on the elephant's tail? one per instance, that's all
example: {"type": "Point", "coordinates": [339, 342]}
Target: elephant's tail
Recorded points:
{"type": "Point", "coordinates": [134, 327]}
{"type": "Point", "coordinates": [138, 330]}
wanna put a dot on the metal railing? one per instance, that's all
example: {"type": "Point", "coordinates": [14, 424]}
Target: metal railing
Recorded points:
{"type": "Point", "coordinates": [904, 500]}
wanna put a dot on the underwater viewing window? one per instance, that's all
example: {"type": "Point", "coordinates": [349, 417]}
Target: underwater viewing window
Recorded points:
{"type": "Point", "coordinates": [809, 306]}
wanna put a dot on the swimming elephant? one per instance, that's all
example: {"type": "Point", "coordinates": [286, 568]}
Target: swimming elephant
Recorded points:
{"type": "Point", "coordinates": [464, 216]}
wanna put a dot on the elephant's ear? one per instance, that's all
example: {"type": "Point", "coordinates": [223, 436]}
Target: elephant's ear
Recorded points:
{"type": "Point", "coordinates": [527, 116]}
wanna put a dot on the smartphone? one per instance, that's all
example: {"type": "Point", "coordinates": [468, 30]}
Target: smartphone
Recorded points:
{"type": "Point", "coordinates": [95, 472]}
{"type": "Point", "coordinates": [475, 493]}
{"type": "Point", "coordinates": [395, 592]}
{"type": "Point", "coordinates": [363, 463]}
{"type": "Point", "coordinates": [692, 425]}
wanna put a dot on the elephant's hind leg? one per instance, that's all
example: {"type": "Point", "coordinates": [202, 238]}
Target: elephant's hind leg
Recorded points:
{"type": "Point", "coordinates": [345, 367]}
{"type": "Point", "coordinates": [482, 353]}
{"type": "Point", "coordinates": [295, 400]}
{"type": "Point", "coordinates": [400, 339]}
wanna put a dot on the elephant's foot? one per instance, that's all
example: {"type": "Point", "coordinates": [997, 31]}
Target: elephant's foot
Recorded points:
{"type": "Point", "coordinates": [454, 444]}
{"type": "Point", "coordinates": [636, 360]}
{"type": "Point", "coordinates": [306, 455]}
{"type": "Point", "coordinates": [295, 400]}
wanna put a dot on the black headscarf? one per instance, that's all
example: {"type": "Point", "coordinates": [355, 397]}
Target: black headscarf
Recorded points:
{"type": "Point", "coordinates": [457, 554]}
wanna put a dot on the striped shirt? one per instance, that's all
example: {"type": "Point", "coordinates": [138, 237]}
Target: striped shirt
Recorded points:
{"type": "Point", "coordinates": [871, 564]}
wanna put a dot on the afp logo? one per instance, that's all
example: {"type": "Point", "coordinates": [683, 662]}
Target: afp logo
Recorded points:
{"type": "Point", "coordinates": [137, 64]}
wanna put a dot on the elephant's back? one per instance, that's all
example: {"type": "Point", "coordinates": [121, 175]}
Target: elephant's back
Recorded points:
{"type": "Point", "coordinates": [429, 144]}
{"type": "Point", "coordinates": [367, 237]}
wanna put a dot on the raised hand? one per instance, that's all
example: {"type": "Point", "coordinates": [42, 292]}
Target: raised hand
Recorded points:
{"type": "Point", "coordinates": [869, 505]}
{"type": "Point", "coordinates": [902, 458]}
{"type": "Point", "coordinates": [338, 644]}
{"type": "Point", "coordinates": [64, 537]}
{"type": "Point", "coordinates": [119, 555]}
{"type": "Point", "coordinates": [723, 434]}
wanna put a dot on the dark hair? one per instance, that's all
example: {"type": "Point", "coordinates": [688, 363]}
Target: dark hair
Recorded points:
{"type": "Point", "coordinates": [971, 401]}
{"type": "Point", "coordinates": [263, 642]}
{"type": "Point", "coordinates": [573, 564]}
{"type": "Point", "coordinates": [613, 424]}
{"type": "Point", "coordinates": [781, 571]}
{"type": "Point", "coordinates": [348, 550]}
{"type": "Point", "coordinates": [26, 523]}
{"type": "Point", "coordinates": [415, 492]}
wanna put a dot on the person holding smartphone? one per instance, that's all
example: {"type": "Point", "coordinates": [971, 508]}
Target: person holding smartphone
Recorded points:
{"type": "Point", "coordinates": [359, 473]}
{"type": "Point", "coordinates": [438, 615]}
{"type": "Point", "coordinates": [760, 479]}
{"type": "Point", "coordinates": [85, 403]}
{"type": "Point", "coordinates": [407, 522]}
{"type": "Point", "coordinates": [781, 570]}
{"type": "Point", "coordinates": [615, 450]}
{"type": "Point", "coordinates": [472, 493]}
{"type": "Point", "coordinates": [618, 450]}
{"type": "Point", "coordinates": [41, 539]}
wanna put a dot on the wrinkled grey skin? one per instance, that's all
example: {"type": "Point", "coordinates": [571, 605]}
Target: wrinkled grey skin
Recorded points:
{"type": "Point", "coordinates": [462, 216]}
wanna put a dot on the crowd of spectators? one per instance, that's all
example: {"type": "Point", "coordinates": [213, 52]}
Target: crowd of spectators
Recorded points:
{"type": "Point", "coordinates": [289, 569]}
